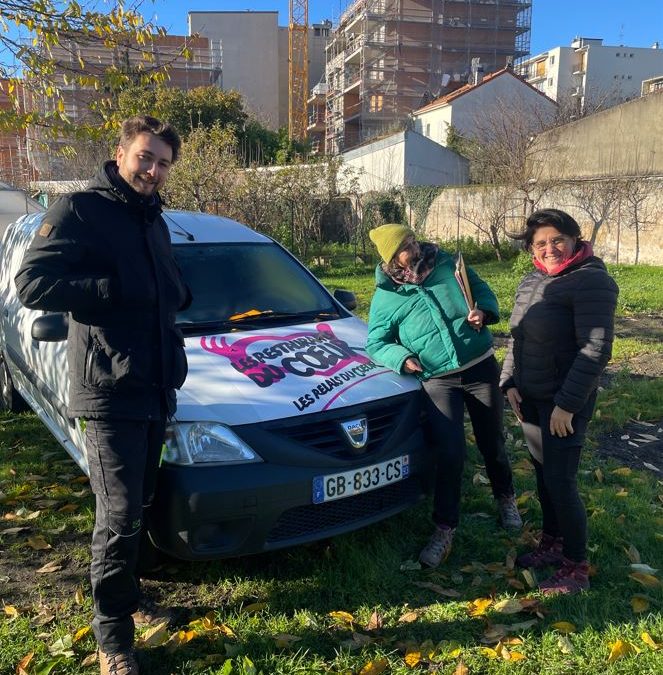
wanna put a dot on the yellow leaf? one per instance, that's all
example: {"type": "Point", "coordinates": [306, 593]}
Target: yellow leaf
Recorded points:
{"type": "Point", "coordinates": [253, 608]}
{"type": "Point", "coordinates": [155, 636]}
{"type": "Point", "coordinates": [648, 640]}
{"type": "Point", "coordinates": [622, 471]}
{"type": "Point", "coordinates": [530, 579]}
{"type": "Point", "coordinates": [622, 493]}
{"type": "Point", "coordinates": [22, 666]}
{"type": "Point", "coordinates": [455, 652]}
{"type": "Point", "coordinates": [633, 554]}
{"type": "Point", "coordinates": [79, 598]}
{"type": "Point", "coordinates": [517, 656]}
{"type": "Point", "coordinates": [461, 669]}
{"type": "Point", "coordinates": [89, 660]}
{"type": "Point", "coordinates": [508, 606]}
{"type": "Point", "coordinates": [639, 603]}
{"type": "Point", "coordinates": [374, 667]}
{"type": "Point", "coordinates": [620, 648]}
{"type": "Point", "coordinates": [81, 633]}
{"type": "Point", "coordinates": [565, 645]}
{"type": "Point", "coordinates": [564, 627]}
{"type": "Point", "coordinates": [49, 568]}
{"type": "Point", "coordinates": [648, 580]}
{"type": "Point", "coordinates": [11, 611]}
{"type": "Point", "coordinates": [68, 508]}
{"type": "Point", "coordinates": [479, 606]}
{"type": "Point", "coordinates": [490, 653]}
{"type": "Point", "coordinates": [342, 617]}
{"type": "Point", "coordinates": [408, 617]}
{"type": "Point", "coordinates": [38, 543]}
{"type": "Point", "coordinates": [283, 640]}
{"type": "Point", "coordinates": [413, 658]}
{"type": "Point", "coordinates": [599, 475]}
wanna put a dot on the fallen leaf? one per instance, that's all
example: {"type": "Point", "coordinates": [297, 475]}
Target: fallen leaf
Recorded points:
{"type": "Point", "coordinates": [375, 622]}
{"type": "Point", "coordinates": [283, 640]}
{"type": "Point", "coordinates": [508, 606]}
{"type": "Point", "coordinates": [80, 479]}
{"type": "Point", "coordinates": [79, 598]}
{"type": "Point", "coordinates": [514, 583]}
{"type": "Point", "coordinates": [622, 471]}
{"type": "Point", "coordinates": [599, 475]}
{"type": "Point", "coordinates": [648, 640]}
{"type": "Point", "coordinates": [22, 666]}
{"type": "Point", "coordinates": [641, 567]}
{"type": "Point", "coordinates": [180, 638]}
{"type": "Point", "coordinates": [648, 580]}
{"type": "Point", "coordinates": [490, 653]}
{"type": "Point", "coordinates": [651, 467]}
{"type": "Point", "coordinates": [413, 658]}
{"type": "Point", "coordinates": [480, 479]}
{"type": "Point", "coordinates": [155, 636]}
{"type": "Point", "coordinates": [447, 592]}
{"type": "Point", "coordinates": [11, 611]}
{"type": "Point", "coordinates": [639, 603]}
{"type": "Point", "coordinates": [619, 649]}
{"type": "Point", "coordinates": [530, 579]}
{"type": "Point", "coordinates": [565, 645]}
{"type": "Point", "coordinates": [38, 543]}
{"type": "Point", "coordinates": [68, 508]}
{"type": "Point", "coordinates": [374, 667]}
{"type": "Point", "coordinates": [408, 617]}
{"type": "Point", "coordinates": [253, 608]}
{"type": "Point", "coordinates": [461, 669]}
{"type": "Point", "coordinates": [564, 627]}
{"type": "Point", "coordinates": [81, 633]}
{"type": "Point", "coordinates": [14, 530]}
{"type": "Point", "coordinates": [89, 660]}
{"type": "Point", "coordinates": [517, 656]}
{"type": "Point", "coordinates": [622, 493]}
{"type": "Point", "coordinates": [479, 606]}
{"type": "Point", "coordinates": [49, 568]}
{"type": "Point", "coordinates": [342, 617]}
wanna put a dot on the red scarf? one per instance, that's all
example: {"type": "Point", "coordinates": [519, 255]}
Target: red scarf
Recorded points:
{"type": "Point", "coordinates": [583, 252]}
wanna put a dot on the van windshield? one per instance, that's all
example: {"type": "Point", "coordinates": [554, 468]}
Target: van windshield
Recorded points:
{"type": "Point", "coordinates": [239, 286]}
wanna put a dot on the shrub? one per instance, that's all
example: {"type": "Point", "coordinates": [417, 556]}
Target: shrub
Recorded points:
{"type": "Point", "coordinates": [522, 264]}
{"type": "Point", "coordinates": [476, 252]}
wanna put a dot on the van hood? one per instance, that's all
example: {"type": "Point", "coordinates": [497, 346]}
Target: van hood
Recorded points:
{"type": "Point", "coordinates": [274, 373]}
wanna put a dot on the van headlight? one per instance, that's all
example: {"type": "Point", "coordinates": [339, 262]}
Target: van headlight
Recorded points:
{"type": "Point", "coordinates": [202, 442]}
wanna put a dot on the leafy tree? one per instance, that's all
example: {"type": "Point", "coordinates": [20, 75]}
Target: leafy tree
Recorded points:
{"type": "Point", "coordinates": [38, 34]}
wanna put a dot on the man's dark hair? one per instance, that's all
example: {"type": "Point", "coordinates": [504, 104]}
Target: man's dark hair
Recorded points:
{"type": "Point", "coordinates": [558, 219]}
{"type": "Point", "coordinates": [145, 124]}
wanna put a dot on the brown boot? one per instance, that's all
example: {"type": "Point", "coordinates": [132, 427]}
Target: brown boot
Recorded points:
{"type": "Point", "coordinates": [120, 663]}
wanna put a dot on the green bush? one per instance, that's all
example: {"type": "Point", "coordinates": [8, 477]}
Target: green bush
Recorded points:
{"type": "Point", "coordinates": [476, 252]}
{"type": "Point", "coordinates": [522, 264]}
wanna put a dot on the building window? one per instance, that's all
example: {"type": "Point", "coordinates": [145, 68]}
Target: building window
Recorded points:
{"type": "Point", "coordinates": [629, 77]}
{"type": "Point", "coordinates": [617, 54]}
{"type": "Point", "coordinates": [427, 130]}
{"type": "Point", "coordinates": [552, 60]}
{"type": "Point", "coordinates": [375, 103]}
{"type": "Point", "coordinates": [540, 68]}
{"type": "Point", "coordinates": [550, 81]}
{"type": "Point", "coordinates": [631, 55]}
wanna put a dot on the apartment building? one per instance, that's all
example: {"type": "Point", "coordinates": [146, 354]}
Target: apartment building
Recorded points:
{"type": "Point", "coordinates": [15, 168]}
{"type": "Point", "coordinates": [386, 58]}
{"type": "Point", "coordinates": [589, 74]}
{"type": "Point", "coordinates": [255, 58]}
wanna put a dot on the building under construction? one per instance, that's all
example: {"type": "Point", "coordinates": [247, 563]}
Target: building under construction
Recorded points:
{"type": "Point", "coordinates": [386, 58]}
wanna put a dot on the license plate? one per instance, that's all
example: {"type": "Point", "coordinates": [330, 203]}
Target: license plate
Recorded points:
{"type": "Point", "coordinates": [356, 481]}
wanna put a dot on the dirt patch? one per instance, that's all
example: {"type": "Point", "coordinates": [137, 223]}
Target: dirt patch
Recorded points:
{"type": "Point", "coordinates": [638, 445]}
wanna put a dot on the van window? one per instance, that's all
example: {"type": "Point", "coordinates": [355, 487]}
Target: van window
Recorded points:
{"type": "Point", "coordinates": [228, 280]}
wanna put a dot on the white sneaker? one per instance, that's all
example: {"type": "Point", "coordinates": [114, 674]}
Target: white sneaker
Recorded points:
{"type": "Point", "coordinates": [438, 547]}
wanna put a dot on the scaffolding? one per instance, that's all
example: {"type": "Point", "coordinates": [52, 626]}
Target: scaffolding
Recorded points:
{"type": "Point", "coordinates": [386, 58]}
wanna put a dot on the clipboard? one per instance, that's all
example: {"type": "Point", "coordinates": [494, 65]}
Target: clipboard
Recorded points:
{"type": "Point", "coordinates": [463, 281]}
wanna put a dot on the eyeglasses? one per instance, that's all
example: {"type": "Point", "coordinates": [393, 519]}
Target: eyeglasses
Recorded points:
{"type": "Point", "coordinates": [557, 242]}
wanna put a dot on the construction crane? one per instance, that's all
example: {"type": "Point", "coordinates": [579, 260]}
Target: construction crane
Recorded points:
{"type": "Point", "coordinates": [297, 69]}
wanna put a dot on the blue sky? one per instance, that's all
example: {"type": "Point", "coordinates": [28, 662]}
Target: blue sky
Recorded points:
{"type": "Point", "coordinates": [636, 23]}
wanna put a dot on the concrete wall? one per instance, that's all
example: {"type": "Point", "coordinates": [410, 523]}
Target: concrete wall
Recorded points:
{"type": "Point", "coordinates": [456, 210]}
{"type": "Point", "coordinates": [406, 158]}
{"type": "Point", "coordinates": [626, 140]}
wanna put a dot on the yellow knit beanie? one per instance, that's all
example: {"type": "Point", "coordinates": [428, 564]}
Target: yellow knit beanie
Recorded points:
{"type": "Point", "coordinates": [388, 239]}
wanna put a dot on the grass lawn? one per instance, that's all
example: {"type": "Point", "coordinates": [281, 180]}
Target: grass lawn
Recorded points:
{"type": "Point", "coordinates": [358, 604]}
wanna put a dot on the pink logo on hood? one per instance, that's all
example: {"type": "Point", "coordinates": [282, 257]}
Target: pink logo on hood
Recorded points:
{"type": "Point", "coordinates": [266, 359]}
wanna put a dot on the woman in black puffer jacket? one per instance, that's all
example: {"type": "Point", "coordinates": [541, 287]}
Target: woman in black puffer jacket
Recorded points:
{"type": "Point", "coordinates": [562, 332]}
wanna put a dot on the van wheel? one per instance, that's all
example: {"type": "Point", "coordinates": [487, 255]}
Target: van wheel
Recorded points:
{"type": "Point", "coordinates": [10, 399]}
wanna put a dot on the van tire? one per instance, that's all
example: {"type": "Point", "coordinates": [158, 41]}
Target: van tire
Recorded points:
{"type": "Point", "coordinates": [10, 399]}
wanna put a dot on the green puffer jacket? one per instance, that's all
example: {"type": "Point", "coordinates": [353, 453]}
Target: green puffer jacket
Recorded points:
{"type": "Point", "coordinates": [428, 321]}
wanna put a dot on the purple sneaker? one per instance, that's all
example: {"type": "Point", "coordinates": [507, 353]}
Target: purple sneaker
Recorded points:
{"type": "Point", "coordinates": [548, 552]}
{"type": "Point", "coordinates": [571, 577]}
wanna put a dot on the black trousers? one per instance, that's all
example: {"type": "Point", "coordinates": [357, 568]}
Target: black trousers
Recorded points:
{"type": "Point", "coordinates": [446, 398]}
{"type": "Point", "coordinates": [123, 456]}
{"type": "Point", "coordinates": [556, 463]}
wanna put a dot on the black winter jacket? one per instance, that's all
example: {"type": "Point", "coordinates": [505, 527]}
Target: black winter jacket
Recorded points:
{"type": "Point", "coordinates": [104, 256]}
{"type": "Point", "coordinates": [562, 328]}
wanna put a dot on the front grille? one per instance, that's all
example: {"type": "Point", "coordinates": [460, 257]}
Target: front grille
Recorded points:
{"type": "Point", "coordinates": [326, 435]}
{"type": "Point", "coordinates": [304, 521]}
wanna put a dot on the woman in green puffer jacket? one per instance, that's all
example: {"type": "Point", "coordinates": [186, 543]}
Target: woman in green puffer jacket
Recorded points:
{"type": "Point", "coordinates": [420, 324]}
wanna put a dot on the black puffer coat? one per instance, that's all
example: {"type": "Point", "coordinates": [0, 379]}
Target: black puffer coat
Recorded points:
{"type": "Point", "coordinates": [562, 327]}
{"type": "Point", "coordinates": [104, 256]}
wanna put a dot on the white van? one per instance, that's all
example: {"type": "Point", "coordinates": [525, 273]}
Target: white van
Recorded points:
{"type": "Point", "coordinates": [285, 431]}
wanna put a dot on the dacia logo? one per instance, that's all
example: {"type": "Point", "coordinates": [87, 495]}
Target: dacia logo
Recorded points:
{"type": "Point", "coordinates": [356, 431]}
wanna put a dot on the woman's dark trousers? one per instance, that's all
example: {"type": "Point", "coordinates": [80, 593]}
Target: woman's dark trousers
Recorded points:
{"type": "Point", "coordinates": [123, 456]}
{"type": "Point", "coordinates": [556, 461]}
{"type": "Point", "coordinates": [476, 389]}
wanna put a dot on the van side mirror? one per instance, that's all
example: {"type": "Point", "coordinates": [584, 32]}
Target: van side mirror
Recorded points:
{"type": "Point", "coordinates": [347, 298]}
{"type": "Point", "coordinates": [50, 327]}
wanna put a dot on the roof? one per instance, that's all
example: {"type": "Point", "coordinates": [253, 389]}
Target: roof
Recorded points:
{"type": "Point", "coordinates": [449, 98]}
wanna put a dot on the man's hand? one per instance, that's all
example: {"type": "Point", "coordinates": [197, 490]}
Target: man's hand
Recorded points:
{"type": "Point", "coordinates": [475, 318]}
{"type": "Point", "coordinates": [515, 399]}
{"type": "Point", "coordinates": [412, 365]}
{"type": "Point", "coordinates": [560, 422]}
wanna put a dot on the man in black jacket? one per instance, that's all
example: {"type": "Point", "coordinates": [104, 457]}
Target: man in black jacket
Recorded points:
{"type": "Point", "coordinates": [103, 255]}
